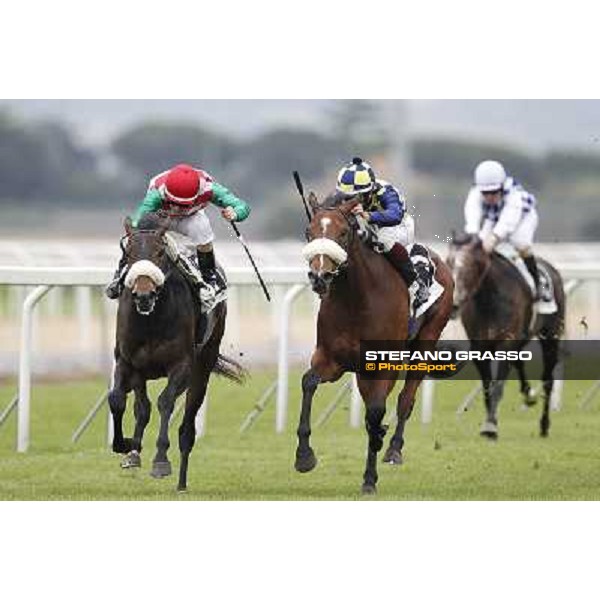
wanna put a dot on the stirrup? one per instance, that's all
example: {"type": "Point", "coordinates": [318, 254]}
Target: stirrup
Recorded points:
{"type": "Point", "coordinates": [208, 294]}
{"type": "Point", "coordinates": [113, 290]}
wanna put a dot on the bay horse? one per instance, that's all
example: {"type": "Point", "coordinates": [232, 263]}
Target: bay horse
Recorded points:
{"type": "Point", "coordinates": [161, 332]}
{"type": "Point", "coordinates": [496, 308]}
{"type": "Point", "coordinates": [363, 297]}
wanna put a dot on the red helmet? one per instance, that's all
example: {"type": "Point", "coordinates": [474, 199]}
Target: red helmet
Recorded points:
{"type": "Point", "coordinates": [183, 184]}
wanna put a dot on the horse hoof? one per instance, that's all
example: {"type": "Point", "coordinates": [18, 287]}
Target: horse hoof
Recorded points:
{"type": "Point", "coordinates": [132, 460]}
{"type": "Point", "coordinates": [368, 489]}
{"type": "Point", "coordinates": [489, 430]}
{"type": "Point", "coordinates": [393, 457]}
{"type": "Point", "coordinates": [544, 433]}
{"type": "Point", "coordinates": [182, 490]}
{"type": "Point", "coordinates": [305, 462]}
{"type": "Point", "coordinates": [161, 469]}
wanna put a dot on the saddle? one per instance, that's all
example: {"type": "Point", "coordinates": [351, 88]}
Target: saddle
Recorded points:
{"type": "Point", "coordinates": [547, 304]}
{"type": "Point", "coordinates": [421, 259]}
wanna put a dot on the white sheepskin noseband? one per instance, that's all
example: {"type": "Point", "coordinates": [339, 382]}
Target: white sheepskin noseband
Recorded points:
{"type": "Point", "coordinates": [147, 268]}
{"type": "Point", "coordinates": [327, 247]}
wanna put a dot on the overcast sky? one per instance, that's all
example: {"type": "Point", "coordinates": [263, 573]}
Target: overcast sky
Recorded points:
{"type": "Point", "coordinates": [530, 124]}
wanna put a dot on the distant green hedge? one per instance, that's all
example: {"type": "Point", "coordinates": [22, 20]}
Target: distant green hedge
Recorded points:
{"type": "Point", "coordinates": [456, 158]}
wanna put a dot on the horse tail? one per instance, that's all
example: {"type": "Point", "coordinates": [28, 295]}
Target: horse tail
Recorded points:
{"type": "Point", "coordinates": [230, 369]}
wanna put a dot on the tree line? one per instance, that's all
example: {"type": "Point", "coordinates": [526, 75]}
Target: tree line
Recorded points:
{"type": "Point", "coordinates": [44, 162]}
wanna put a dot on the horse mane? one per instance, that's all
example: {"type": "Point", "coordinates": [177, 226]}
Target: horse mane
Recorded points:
{"type": "Point", "coordinates": [333, 200]}
{"type": "Point", "coordinates": [151, 221]}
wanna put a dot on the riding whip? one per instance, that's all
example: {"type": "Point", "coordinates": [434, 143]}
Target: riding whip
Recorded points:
{"type": "Point", "coordinates": [300, 188]}
{"type": "Point", "coordinates": [260, 279]}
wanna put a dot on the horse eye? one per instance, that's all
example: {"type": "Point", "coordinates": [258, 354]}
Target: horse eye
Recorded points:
{"type": "Point", "coordinates": [307, 234]}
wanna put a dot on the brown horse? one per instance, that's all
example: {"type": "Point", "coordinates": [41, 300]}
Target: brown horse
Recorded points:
{"type": "Point", "coordinates": [496, 308]}
{"type": "Point", "coordinates": [363, 298]}
{"type": "Point", "coordinates": [161, 332]}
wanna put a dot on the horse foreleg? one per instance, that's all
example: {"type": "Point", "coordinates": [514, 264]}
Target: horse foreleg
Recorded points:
{"type": "Point", "coordinates": [374, 394]}
{"type": "Point", "coordinates": [141, 411]}
{"type": "Point", "coordinates": [526, 392]}
{"type": "Point", "coordinates": [490, 427]}
{"type": "Point", "coordinates": [187, 429]}
{"type": "Point", "coordinates": [178, 381]}
{"type": "Point", "coordinates": [117, 400]}
{"type": "Point", "coordinates": [550, 348]}
{"type": "Point", "coordinates": [201, 370]}
{"type": "Point", "coordinates": [404, 407]}
{"type": "Point", "coordinates": [305, 457]}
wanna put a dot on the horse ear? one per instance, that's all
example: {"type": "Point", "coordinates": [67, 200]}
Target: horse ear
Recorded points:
{"type": "Point", "coordinates": [313, 202]}
{"type": "Point", "coordinates": [128, 224]}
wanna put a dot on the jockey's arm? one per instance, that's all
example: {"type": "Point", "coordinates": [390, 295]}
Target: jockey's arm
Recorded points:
{"type": "Point", "coordinates": [223, 198]}
{"type": "Point", "coordinates": [151, 203]}
{"type": "Point", "coordinates": [473, 212]}
{"type": "Point", "coordinates": [392, 211]}
{"type": "Point", "coordinates": [509, 217]}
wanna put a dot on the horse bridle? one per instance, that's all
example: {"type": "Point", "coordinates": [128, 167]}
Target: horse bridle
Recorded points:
{"type": "Point", "coordinates": [348, 237]}
{"type": "Point", "coordinates": [161, 239]}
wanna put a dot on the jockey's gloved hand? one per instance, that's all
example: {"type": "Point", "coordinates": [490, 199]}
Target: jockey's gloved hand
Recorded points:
{"type": "Point", "coordinates": [367, 235]}
{"type": "Point", "coordinates": [229, 214]}
{"type": "Point", "coordinates": [490, 242]}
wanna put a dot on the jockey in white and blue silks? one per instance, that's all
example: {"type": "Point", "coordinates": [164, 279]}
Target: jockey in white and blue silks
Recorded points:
{"type": "Point", "coordinates": [499, 209]}
{"type": "Point", "coordinates": [383, 207]}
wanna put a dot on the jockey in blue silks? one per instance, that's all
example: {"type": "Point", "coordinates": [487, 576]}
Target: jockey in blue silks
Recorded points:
{"type": "Point", "coordinates": [383, 208]}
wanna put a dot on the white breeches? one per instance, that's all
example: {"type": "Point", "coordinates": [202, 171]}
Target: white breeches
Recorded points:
{"type": "Point", "coordinates": [403, 233]}
{"type": "Point", "coordinates": [196, 227]}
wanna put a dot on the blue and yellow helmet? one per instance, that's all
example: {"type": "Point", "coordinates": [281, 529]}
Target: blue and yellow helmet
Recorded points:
{"type": "Point", "coordinates": [355, 178]}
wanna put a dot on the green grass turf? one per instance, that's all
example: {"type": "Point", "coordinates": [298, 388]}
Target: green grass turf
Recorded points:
{"type": "Point", "coordinates": [446, 460]}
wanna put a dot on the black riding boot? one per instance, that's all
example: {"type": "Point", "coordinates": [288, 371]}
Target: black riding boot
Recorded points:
{"type": "Point", "coordinates": [532, 268]}
{"type": "Point", "coordinates": [400, 260]}
{"type": "Point", "coordinates": [208, 268]}
{"type": "Point", "coordinates": [115, 287]}
{"type": "Point", "coordinates": [417, 284]}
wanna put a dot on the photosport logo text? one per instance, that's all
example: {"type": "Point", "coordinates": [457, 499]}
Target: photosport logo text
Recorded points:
{"type": "Point", "coordinates": [447, 359]}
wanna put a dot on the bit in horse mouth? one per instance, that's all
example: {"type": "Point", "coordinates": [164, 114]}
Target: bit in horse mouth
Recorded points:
{"type": "Point", "coordinates": [144, 310]}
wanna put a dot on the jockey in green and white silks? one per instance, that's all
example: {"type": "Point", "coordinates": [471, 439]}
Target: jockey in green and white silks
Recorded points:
{"type": "Point", "coordinates": [498, 209]}
{"type": "Point", "coordinates": [383, 208]}
{"type": "Point", "coordinates": [183, 192]}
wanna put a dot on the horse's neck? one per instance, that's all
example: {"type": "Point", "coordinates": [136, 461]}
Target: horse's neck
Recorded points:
{"type": "Point", "coordinates": [168, 306]}
{"type": "Point", "coordinates": [495, 296]}
{"type": "Point", "coordinates": [362, 279]}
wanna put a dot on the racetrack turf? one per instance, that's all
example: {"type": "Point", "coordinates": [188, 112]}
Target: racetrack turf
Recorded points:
{"type": "Point", "coordinates": [445, 460]}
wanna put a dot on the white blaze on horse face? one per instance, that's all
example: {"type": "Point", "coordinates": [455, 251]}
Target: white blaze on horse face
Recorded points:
{"type": "Point", "coordinates": [325, 222]}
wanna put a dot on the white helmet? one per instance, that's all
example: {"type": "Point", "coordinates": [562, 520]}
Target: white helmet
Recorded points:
{"type": "Point", "coordinates": [489, 176]}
